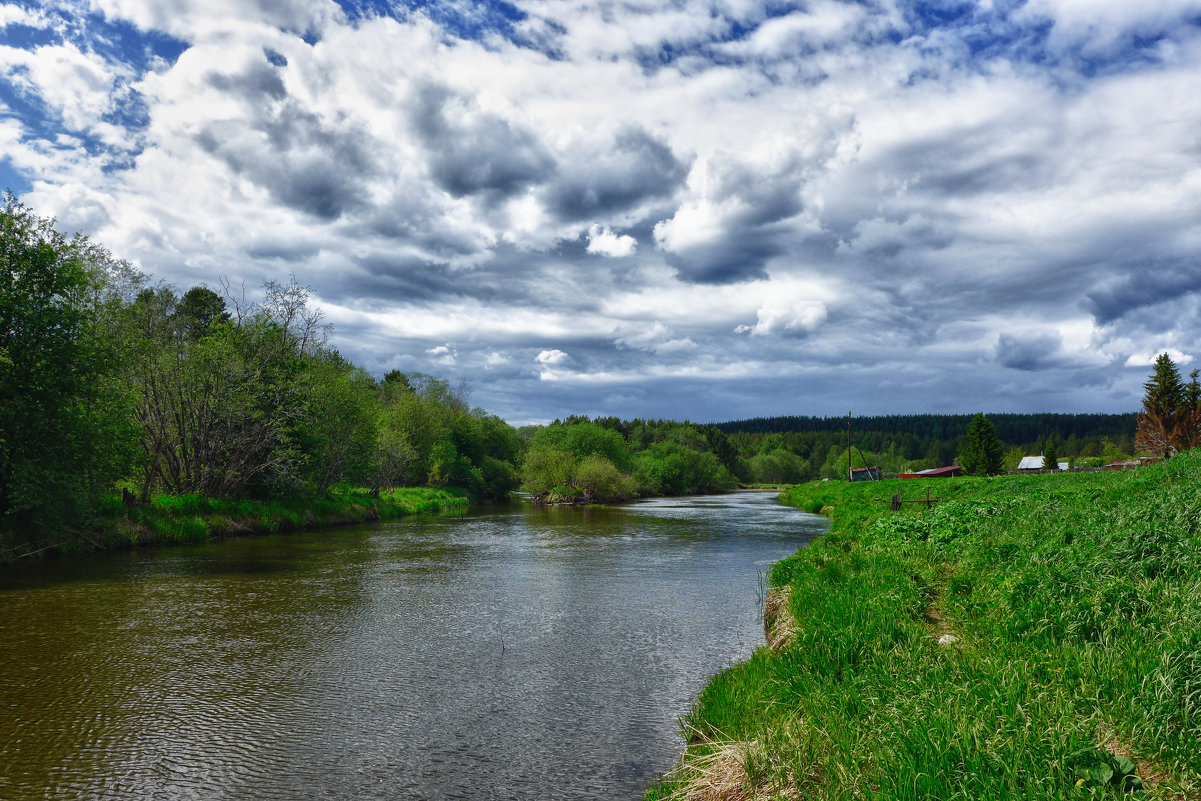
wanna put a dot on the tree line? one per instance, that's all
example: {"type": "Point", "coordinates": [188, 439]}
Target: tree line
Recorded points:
{"type": "Point", "coordinates": [579, 460]}
{"type": "Point", "coordinates": [109, 382]}
{"type": "Point", "coordinates": [112, 383]}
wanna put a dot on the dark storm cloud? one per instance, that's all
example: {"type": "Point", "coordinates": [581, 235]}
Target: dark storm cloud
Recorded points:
{"type": "Point", "coordinates": [474, 152]}
{"type": "Point", "coordinates": [740, 255]}
{"type": "Point", "coordinates": [1006, 156]}
{"type": "Point", "coordinates": [1141, 286]}
{"type": "Point", "coordinates": [508, 276]}
{"type": "Point", "coordinates": [412, 216]}
{"type": "Point", "coordinates": [392, 279]}
{"type": "Point", "coordinates": [597, 182]}
{"type": "Point", "coordinates": [752, 233]}
{"type": "Point", "coordinates": [1030, 353]}
{"type": "Point", "coordinates": [303, 161]}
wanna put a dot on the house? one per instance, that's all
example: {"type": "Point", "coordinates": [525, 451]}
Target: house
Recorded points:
{"type": "Point", "coordinates": [866, 474]}
{"type": "Point", "coordinates": [936, 472]}
{"type": "Point", "coordinates": [1036, 463]}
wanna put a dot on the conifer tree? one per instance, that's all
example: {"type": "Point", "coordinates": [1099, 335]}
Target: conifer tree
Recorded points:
{"type": "Point", "coordinates": [981, 452]}
{"type": "Point", "coordinates": [1050, 455]}
{"type": "Point", "coordinates": [1167, 423]}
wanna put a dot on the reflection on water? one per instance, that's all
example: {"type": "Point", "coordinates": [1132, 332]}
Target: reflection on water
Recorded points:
{"type": "Point", "coordinates": [513, 653]}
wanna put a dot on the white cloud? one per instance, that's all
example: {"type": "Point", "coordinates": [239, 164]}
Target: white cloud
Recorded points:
{"type": "Point", "coordinates": [785, 316]}
{"type": "Point", "coordinates": [551, 357]}
{"type": "Point", "coordinates": [1148, 359]}
{"type": "Point", "coordinates": [16, 15]}
{"type": "Point", "coordinates": [75, 84]}
{"type": "Point", "coordinates": [445, 355]}
{"type": "Point", "coordinates": [656, 338]}
{"type": "Point", "coordinates": [603, 242]}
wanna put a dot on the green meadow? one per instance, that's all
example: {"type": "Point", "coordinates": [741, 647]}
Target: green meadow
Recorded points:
{"type": "Point", "coordinates": [1028, 637]}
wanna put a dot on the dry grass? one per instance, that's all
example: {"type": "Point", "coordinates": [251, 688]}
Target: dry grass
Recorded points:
{"type": "Point", "coordinates": [779, 626]}
{"type": "Point", "coordinates": [725, 773]}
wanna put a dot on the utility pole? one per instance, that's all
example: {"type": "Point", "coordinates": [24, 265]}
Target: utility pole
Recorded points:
{"type": "Point", "coordinates": [850, 470]}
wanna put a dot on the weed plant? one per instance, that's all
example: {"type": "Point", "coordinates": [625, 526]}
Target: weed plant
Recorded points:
{"type": "Point", "coordinates": [1075, 604]}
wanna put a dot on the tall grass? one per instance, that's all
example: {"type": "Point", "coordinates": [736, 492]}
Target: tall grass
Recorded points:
{"type": "Point", "coordinates": [1075, 601]}
{"type": "Point", "coordinates": [195, 518]}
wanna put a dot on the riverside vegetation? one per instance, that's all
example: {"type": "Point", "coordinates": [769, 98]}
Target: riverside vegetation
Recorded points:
{"type": "Point", "coordinates": [131, 413]}
{"type": "Point", "coordinates": [1028, 637]}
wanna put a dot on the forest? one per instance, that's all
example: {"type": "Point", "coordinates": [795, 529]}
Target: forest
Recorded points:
{"type": "Point", "coordinates": [114, 387]}
{"type": "Point", "coordinates": [794, 449]}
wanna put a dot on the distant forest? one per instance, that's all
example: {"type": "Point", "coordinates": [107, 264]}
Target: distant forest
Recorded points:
{"type": "Point", "coordinates": [796, 448]}
{"type": "Point", "coordinates": [1015, 429]}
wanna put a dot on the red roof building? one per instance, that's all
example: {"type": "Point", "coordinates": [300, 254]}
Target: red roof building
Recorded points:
{"type": "Point", "coordinates": [936, 472]}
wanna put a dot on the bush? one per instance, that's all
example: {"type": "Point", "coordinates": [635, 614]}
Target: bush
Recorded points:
{"type": "Point", "coordinates": [600, 480]}
{"type": "Point", "coordinates": [546, 468]}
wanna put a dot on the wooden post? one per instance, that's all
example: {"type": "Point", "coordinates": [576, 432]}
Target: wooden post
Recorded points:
{"type": "Point", "coordinates": [850, 469]}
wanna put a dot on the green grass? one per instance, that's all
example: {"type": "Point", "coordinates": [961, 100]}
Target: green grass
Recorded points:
{"type": "Point", "coordinates": [195, 518]}
{"type": "Point", "coordinates": [1076, 601]}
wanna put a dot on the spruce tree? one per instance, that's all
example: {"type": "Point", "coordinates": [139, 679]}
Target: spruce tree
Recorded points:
{"type": "Point", "coordinates": [981, 452]}
{"type": "Point", "coordinates": [1166, 423]}
{"type": "Point", "coordinates": [1050, 456]}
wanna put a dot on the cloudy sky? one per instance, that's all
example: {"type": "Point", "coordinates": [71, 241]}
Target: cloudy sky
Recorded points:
{"type": "Point", "coordinates": [705, 209]}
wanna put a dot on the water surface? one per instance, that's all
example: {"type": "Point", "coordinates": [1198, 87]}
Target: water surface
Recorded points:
{"type": "Point", "coordinates": [508, 654]}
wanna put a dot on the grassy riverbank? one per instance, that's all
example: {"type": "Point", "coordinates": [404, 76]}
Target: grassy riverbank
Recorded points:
{"type": "Point", "coordinates": [1069, 609]}
{"type": "Point", "coordinates": [194, 518]}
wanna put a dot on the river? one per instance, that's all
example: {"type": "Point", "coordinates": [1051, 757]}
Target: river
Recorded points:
{"type": "Point", "coordinates": [512, 653]}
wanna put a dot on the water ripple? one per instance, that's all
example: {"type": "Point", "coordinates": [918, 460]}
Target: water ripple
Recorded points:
{"type": "Point", "coordinates": [518, 654]}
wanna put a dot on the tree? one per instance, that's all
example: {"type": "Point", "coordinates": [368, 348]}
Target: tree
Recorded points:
{"type": "Point", "coordinates": [66, 431]}
{"type": "Point", "coordinates": [198, 311]}
{"type": "Point", "coordinates": [981, 452]}
{"type": "Point", "coordinates": [1168, 421]}
{"type": "Point", "coordinates": [1050, 455]}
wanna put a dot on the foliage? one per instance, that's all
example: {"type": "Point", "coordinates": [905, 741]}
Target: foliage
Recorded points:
{"type": "Point", "coordinates": [1050, 455]}
{"type": "Point", "coordinates": [116, 383]}
{"type": "Point", "coordinates": [585, 461]}
{"type": "Point", "coordinates": [66, 432]}
{"type": "Point", "coordinates": [1171, 417]}
{"type": "Point", "coordinates": [905, 443]}
{"type": "Point", "coordinates": [981, 451]}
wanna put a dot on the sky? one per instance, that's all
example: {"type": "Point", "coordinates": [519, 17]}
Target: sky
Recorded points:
{"type": "Point", "coordinates": [692, 210]}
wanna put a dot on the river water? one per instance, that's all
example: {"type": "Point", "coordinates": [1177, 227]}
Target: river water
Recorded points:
{"type": "Point", "coordinates": [514, 653]}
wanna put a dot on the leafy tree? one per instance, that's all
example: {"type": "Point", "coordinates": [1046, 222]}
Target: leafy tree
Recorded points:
{"type": "Point", "coordinates": [546, 469]}
{"type": "Point", "coordinates": [339, 428]}
{"type": "Point", "coordinates": [66, 429]}
{"type": "Point", "coordinates": [981, 452]}
{"type": "Point", "coordinates": [600, 480]}
{"type": "Point", "coordinates": [198, 311]}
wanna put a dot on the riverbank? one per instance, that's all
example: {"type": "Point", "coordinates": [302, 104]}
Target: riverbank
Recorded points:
{"type": "Point", "coordinates": [1028, 637]}
{"type": "Point", "coordinates": [169, 519]}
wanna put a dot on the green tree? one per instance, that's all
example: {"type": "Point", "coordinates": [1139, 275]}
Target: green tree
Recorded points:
{"type": "Point", "coordinates": [66, 427]}
{"type": "Point", "coordinates": [198, 311]}
{"type": "Point", "coordinates": [1167, 423]}
{"type": "Point", "coordinates": [1050, 455]}
{"type": "Point", "coordinates": [981, 452]}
